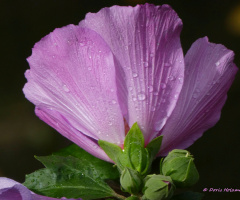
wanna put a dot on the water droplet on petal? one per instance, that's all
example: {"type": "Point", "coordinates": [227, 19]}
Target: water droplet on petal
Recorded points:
{"type": "Point", "coordinates": [217, 63]}
{"type": "Point", "coordinates": [134, 99]}
{"type": "Point", "coordinates": [153, 108]}
{"type": "Point", "coordinates": [195, 95]}
{"type": "Point", "coordinates": [150, 88]}
{"type": "Point", "coordinates": [81, 44]}
{"type": "Point", "coordinates": [89, 68]}
{"type": "Point", "coordinates": [163, 85]}
{"type": "Point", "coordinates": [114, 102]}
{"type": "Point", "coordinates": [135, 75]}
{"type": "Point", "coordinates": [158, 126]}
{"type": "Point", "coordinates": [151, 54]}
{"type": "Point", "coordinates": [65, 88]}
{"type": "Point", "coordinates": [141, 96]}
{"type": "Point", "coordinates": [171, 78]}
{"type": "Point", "coordinates": [167, 64]}
{"type": "Point", "coordinates": [70, 42]}
{"type": "Point", "coordinates": [145, 64]}
{"type": "Point", "coordinates": [180, 79]}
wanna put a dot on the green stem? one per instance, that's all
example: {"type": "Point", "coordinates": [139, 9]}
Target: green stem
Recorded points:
{"type": "Point", "coordinates": [120, 197]}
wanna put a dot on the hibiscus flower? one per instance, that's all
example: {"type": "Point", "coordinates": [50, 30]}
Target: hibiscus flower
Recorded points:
{"type": "Point", "coordinates": [123, 65]}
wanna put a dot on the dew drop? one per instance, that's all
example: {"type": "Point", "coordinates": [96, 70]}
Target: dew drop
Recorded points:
{"type": "Point", "coordinates": [114, 102]}
{"type": "Point", "coordinates": [171, 78]}
{"type": "Point", "coordinates": [195, 96]}
{"type": "Point", "coordinates": [145, 64]}
{"type": "Point", "coordinates": [141, 96]}
{"type": "Point", "coordinates": [158, 126]}
{"type": "Point", "coordinates": [153, 108]}
{"type": "Point", "coordinates": [163, 85]}
{"type": "Point", "coordinates": [134, 99]}
{"type": "Point", "coordinates": [70, 42]}
{"type": "Point", "coordinates": [180, 79]}
{"type": "Point", "coordinates": [150, 88]}
{"type": "Point", "coordinates": [135, 75]}
{"type": "Point", "coordinates": [65, 88]}
{"type": "Point", "coordinates": [81, 44]}
{"type": "Point", "coordinates": [89, 68]}
{"type": "Point", "coordinates": [217, 63]}
{"type": "Point", "coordinates": [167, 64]}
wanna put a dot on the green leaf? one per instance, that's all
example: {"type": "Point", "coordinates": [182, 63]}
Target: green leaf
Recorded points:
{"type": "Point", "coordinates": [72, 173]}
{"type": "Point", "coordinates": [154, 147]}
{"type": "Point", "coordinates": [188, 196]}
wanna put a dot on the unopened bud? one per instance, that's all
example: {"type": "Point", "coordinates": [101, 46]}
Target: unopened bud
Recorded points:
{"type": "Point", "coordinates": [180, 167]}
{"type": "Point", "coordinates": [131, 181]}
{"type": "Point", "coordinates": [158, 187]}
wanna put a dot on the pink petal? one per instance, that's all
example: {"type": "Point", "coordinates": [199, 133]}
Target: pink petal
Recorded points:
{"type": "Point", "coordinates": [209, 74]}
{"type": "Point", "coordinates": [63, 126]}
{"type": "Point", "coordinates": [72, 77]}
{"type": "Point", "coordinates": [12, 190]}
{"type": "Point", "coordinates": [150, 69]}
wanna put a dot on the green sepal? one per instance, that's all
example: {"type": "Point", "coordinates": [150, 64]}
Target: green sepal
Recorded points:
{"type": "Point", "coordinates": [134, 155]}
{"type": "Point", "coordinates": [72, 173]}
{"type": "Point", "coordinates": [188, 196]}
{"type": "Point", "coordinates": [113, 151]}
{"type": "Point", "coordinates": [154, 147]}
{"type": "Point", "coordinates": [134, 136]}
{"type": "Point", "coordinates": [161, 162]}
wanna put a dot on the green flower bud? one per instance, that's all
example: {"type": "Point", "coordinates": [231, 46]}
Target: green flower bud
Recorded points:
{"type": "Point", "coordinates": [131, 181]}
{"type": "Point", "coordinates": [180, 167]}
{"type": "Point", "coordinates": [158, 187]}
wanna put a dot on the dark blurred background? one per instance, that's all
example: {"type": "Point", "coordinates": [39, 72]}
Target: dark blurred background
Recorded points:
{"type": "Point", "coordinates": [23, 135]}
